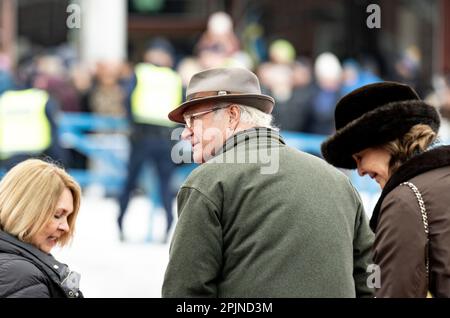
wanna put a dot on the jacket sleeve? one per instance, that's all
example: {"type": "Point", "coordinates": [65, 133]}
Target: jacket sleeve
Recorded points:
{"type": "Point", "coordinates": [195, 257]}
{"type": "Point", "coordinates": [21, 279]}
{"type": "Point", "coordinates": [400, 246]}
{"type": "Point", "coordinates": [362, 253]}
{"type": "Point", "coordinates": [38, 290]}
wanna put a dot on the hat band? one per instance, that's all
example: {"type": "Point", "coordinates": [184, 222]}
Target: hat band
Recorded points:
{"type": "Point", "coordinates": [209, 94]}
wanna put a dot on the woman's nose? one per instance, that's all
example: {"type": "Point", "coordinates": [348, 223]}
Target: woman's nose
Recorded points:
{"type": "Point", "coordinates": [64, 226]}
{"type": "Point", "coordinates": [361, 171]}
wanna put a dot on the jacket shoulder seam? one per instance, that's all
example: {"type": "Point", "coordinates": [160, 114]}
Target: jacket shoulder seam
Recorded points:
{"type": "Point", "coordinates": [203, 194]}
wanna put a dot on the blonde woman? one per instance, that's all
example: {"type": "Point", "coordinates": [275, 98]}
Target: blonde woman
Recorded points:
{"type": "Point", "coordinates": [387, 132]}
{"type": "Point", "coordinates": [39, 204]}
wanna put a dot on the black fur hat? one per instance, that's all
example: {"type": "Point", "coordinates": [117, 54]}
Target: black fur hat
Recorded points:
{"type": "Point", "coordinates": [373, 115]}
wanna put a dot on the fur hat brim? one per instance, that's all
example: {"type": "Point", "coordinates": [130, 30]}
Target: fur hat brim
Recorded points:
{"type": "Point", "coordinates": [375, 128]}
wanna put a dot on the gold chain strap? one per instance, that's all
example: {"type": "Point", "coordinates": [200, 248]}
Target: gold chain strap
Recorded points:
{"type": "Point", "coordinates": [423, 211]}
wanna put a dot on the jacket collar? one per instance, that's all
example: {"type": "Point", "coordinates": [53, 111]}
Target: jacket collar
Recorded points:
{"type": "Point", "coordinates": [259, 136]}
{"type": "Point", "coordinates": [15, 246]}
{"type": "Point", "coordinates": [429, 160]}
{"type": "Point", "coordinates": [56, 271]}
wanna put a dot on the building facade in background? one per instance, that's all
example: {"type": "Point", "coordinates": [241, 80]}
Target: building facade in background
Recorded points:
{"type": "Point", "coordinates": [119, 29]}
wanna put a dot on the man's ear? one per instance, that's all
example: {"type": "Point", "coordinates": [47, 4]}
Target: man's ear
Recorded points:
{"type": "Point", "coordinates": [235, 114]}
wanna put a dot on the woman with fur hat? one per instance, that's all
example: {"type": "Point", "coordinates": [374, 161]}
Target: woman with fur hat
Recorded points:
{"type": "Point", "coordinates": [386, 131]}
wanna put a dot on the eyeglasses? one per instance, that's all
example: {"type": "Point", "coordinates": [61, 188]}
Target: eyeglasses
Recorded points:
{"type": "Point", "coordinates": [189, 119]}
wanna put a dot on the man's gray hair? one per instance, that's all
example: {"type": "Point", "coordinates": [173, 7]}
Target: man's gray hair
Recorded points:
{"type": "Point", "coordinates": [253, 116]}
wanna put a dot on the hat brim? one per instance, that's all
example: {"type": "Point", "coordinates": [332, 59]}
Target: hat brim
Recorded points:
{"type": "Point", "coordinates": [264, 103]}
{"type": "Point", "coordinates": [376, 128]}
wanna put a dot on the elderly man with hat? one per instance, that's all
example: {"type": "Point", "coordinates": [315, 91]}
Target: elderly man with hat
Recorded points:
{"type": "Point", "coordinates": [387, 132]}
{"type": "Point", "coordinates": [249, 227]}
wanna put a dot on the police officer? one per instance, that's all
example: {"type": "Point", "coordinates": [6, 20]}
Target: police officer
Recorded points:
{"type": "Point", "coordinates": [155, 90]}
{"type": "Point", "coordinates": [28, 126]}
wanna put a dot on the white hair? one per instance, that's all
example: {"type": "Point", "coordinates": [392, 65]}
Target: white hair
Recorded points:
{"type": "Point", "coordinates": [250, 115]}
{"type": "Point", "coordinates": [253, 116]}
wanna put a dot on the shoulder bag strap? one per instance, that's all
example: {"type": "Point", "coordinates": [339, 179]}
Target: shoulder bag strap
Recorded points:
{"type": "Point", "coordinates": [423, 212]}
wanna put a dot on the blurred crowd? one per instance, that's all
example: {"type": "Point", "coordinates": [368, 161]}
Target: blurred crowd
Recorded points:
{"type": "Point", "coordinates": [306, 89]}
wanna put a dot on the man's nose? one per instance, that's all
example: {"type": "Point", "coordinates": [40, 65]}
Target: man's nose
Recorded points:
{"type": "Point", "coordinates": [186, 134]}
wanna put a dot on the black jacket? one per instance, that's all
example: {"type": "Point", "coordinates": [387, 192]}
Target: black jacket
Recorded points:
{"type": "Point", "coordinates": [27, 272]}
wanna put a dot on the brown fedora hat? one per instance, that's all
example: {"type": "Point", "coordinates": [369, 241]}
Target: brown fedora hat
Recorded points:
{"type": "Point", "coordinates": [235, 85]}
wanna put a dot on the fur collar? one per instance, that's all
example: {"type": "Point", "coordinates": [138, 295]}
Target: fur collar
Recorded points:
{"type": "Point", "coordinates": [429, 160]}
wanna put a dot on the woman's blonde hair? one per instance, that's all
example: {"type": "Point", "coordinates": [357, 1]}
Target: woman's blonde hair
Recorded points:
{"type": "Point", "coordinates": [29, 193]}
{"type": "Point", "coordinates": [415, 141]}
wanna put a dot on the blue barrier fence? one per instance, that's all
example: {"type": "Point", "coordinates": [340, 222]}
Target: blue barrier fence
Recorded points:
{"type": "Point", "coordinates": [103, 140]}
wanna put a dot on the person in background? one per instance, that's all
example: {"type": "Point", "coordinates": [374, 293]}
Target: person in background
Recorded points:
{"type": "Point", "coordinates": [328, 75]}
{"type": "Point", "coordinates": [280, 224]}
{"type": "Point", "coordinates": [218, 43]}
{"type": "Point", "coordinates": [219, 33]}
{"type": "Point", "coordinates": [107, 96]}
{"type": "Point", "coordinates": [354, 76]}
{"type": "Point", "coordinates": [82, 80]}
{"type": "Point", "coordinates": [187, 67]}
{"type": "Point", "coordinates": [28, 126]}
{"type": "Point", "coordinates": [440, 98]}
{"type": "Point", "coordinates": [39, 204]}
{"type": "Point", "coordinates": [407, 68]}
{"type": "Point", "coordinates": [6, 78]}
{"type": "Point", "coordinates": [51, 75]}
{"type": "Point", "coordinates": [386, 131]}
{"type": "Point", "coordinates": [281, 81]}
{"type": "Point", "coordinates": [154, 91]}
{"type": "Point", "coordinates": [302, 73]}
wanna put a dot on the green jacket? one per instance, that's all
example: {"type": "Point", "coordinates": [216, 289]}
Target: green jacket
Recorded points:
{"type": "Point", "coordinates": [297, 229]}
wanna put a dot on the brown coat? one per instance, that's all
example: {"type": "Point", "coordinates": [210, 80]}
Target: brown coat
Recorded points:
{"type": "Point", "coordinates": [400, 241]}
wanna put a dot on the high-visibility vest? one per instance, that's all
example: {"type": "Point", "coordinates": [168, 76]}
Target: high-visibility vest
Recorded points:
{"type": "Point", "coordinates": [158, 91]}
{"type": "Point", "coordinates": [24, 126]}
